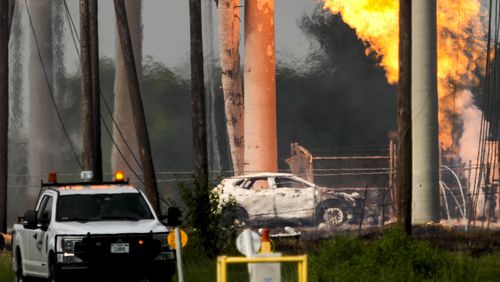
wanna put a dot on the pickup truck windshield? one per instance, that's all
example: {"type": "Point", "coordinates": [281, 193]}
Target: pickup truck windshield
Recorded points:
{"type": "Point", "coordinates": [99, 207]}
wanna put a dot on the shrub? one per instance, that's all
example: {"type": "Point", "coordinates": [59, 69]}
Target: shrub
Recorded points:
{"type": "Point", "coordinates": [203, 217]}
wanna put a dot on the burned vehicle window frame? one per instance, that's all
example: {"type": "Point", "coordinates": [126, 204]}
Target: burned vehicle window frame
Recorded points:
{"type": "Point", "coordinates": [296, 183]}
{"type": "Point", "coordinates": [95, 207]}
{"type": "Point", "coordinates": [249, 183]}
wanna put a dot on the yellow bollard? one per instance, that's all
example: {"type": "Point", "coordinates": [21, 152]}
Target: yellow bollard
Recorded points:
{"type": "Point", "coordinates": [223, 261]}
{"type": "Point", "coordinates": [304, 269]}
{"type": "Point", "coordinates": [300, 270]}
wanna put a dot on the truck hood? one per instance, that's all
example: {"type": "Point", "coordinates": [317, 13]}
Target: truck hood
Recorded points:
{"type": "Point", "coordinates": [109, 227]}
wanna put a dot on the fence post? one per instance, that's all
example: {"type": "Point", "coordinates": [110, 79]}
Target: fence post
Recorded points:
{"type": "Point", "coordinates": [363, 210]}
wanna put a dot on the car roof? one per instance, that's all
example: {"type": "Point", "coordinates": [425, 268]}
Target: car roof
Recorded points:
{"type": "Point", "coordinates": [95, 189]}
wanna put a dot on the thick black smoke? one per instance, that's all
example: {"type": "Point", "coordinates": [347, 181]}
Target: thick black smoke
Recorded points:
{"type": "Point", "coordinates": [343, 100]}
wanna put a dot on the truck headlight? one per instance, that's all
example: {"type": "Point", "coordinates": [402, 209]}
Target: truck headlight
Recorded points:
{"type": "Point", "coordinates": [66, 244]}
{"type": "Point", "coordinates": [167, 253]}
{"type": "Point", "coordinates": [163, 238]}
{"type": "Point", "coordinates": [66, 249]}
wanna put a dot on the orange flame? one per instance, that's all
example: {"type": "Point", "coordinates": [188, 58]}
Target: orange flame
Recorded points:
{"type": "Point", "coordinates": [461, 47]}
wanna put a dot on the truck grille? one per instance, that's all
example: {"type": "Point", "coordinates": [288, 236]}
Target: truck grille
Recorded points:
{"type": "Point", "coordinates": [117, 248]}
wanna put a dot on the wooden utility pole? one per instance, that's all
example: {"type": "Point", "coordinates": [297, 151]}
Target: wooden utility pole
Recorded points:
{"type": "Point", "coordinates": [137, 106]}
{"type": "Point", "coordinates": [4, 109]}
{"type": "Point", "coordinates": [404, 159]}
{"type": "Point", "coordinates": [125, 155]}
{"type": "Point", "coordinates": [86, 85]}
{"type": "Point", "coordinates": [96, 91]}
{"type": "Point", "coordinates": [198, 97]}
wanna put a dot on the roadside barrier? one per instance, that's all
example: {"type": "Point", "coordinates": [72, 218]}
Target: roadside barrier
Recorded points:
{"type": "Point", "coordinates": [223, 261]}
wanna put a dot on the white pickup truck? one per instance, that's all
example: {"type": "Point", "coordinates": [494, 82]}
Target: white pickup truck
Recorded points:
{"type": "Point", "coordinates": [83, 230]}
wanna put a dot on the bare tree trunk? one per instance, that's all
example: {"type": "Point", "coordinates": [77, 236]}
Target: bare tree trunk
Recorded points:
{"type": "Point", "coordinates": [125, 135]}
{"type": "Point", "coordinates": [229, 32]}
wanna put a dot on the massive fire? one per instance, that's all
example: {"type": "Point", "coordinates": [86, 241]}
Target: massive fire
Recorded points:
{"type": "Point", "coordinates": [461, 55]}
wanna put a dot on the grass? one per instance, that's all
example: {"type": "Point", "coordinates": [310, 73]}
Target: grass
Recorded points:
{"type": "Point", "coordinates": [6, 272]}
{"type": "Point", "coordinates": [392, 257]}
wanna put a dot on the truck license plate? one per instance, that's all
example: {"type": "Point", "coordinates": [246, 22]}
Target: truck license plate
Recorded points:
{"type": "Point", "coordinates": [119, 248]}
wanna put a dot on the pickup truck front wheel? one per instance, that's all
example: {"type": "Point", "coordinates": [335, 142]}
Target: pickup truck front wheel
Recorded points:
{"type": "Point", "coordinates": [19, 273]}
{"type": "Point", "coordinates": [53, 272]}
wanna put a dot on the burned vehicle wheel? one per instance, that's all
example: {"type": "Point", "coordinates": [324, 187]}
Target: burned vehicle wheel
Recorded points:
{"type": "Point", "coordinates": [330, 213]}
{"type": "Point", "coordinates": [333, 215]}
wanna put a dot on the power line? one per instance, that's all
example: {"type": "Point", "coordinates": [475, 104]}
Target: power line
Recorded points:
{"type": "Point", "coordinates": [75, 37]}
{"type": "Point", "coordinates": [119, 151]}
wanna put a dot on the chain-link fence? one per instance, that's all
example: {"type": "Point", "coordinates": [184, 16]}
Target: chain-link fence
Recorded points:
{"type": "Point", "coordinates": [322, 195]}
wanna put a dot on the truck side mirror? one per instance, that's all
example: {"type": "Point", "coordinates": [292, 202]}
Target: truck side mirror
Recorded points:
{"type": "Point", "coordinates": [44, 221]}
{"type": "Point", "coordinates": [174, 216]}
{"type": "Point", "coordinates": [29, 220]}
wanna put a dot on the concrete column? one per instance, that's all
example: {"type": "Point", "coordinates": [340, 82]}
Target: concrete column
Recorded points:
{"type": "Point", "coordinates": [261, 152]}
{"type": "Point", "coordinates": [425, 204]}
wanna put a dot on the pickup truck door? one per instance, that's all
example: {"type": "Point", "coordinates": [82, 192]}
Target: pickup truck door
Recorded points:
{"type": "Point", "coordinates": [36, 239]}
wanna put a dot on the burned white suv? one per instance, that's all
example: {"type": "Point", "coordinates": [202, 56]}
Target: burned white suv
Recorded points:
{"type": "Point", "coordinates": [276, 197]}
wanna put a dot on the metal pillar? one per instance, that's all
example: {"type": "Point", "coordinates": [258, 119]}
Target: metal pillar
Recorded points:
{"type": "Point", "coordinates": [261, 149]}
{"type": "Point", "coordinates": [425, 203]}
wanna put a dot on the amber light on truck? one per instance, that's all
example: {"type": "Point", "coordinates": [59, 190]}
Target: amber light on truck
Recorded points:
{"type": "Point", "coordinates": [119, 175]}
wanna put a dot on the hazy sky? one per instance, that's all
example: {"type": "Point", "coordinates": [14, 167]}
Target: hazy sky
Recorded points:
{"type": "Point", "coordinates": [166, 29]}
